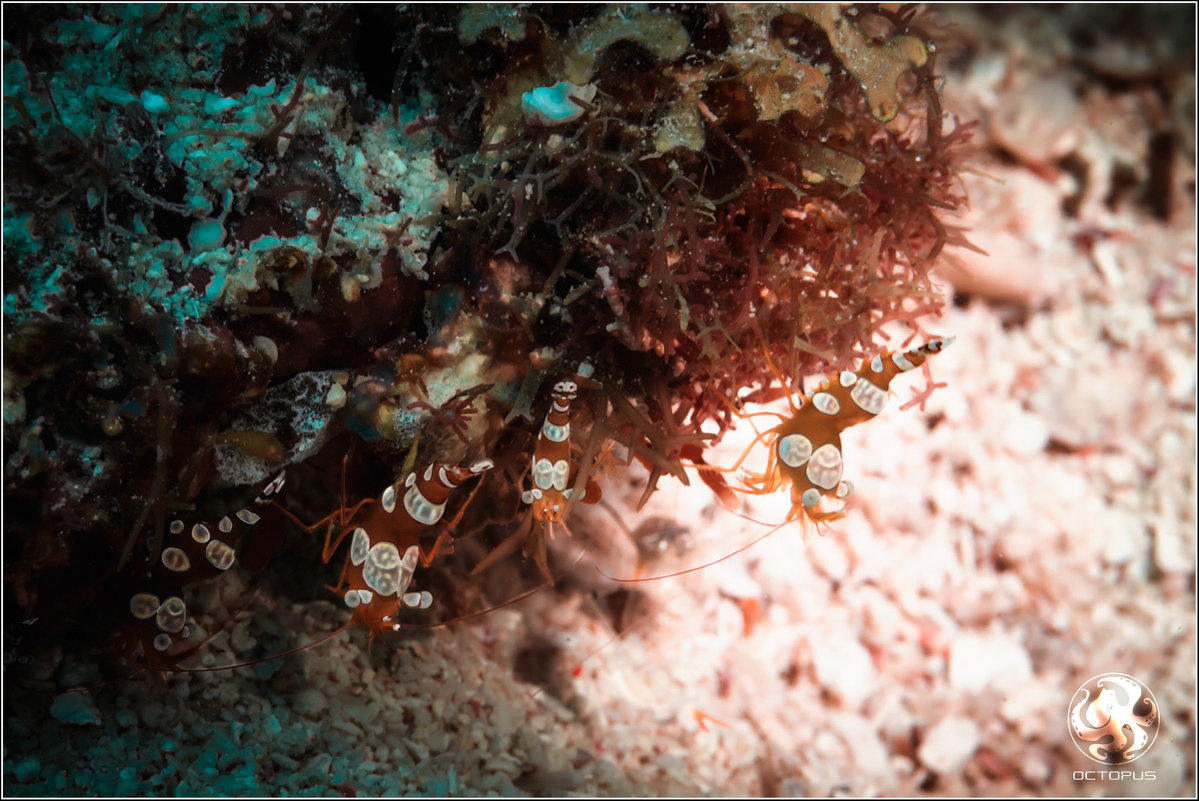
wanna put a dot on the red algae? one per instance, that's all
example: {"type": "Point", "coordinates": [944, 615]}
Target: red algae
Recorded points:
{"type": "Point", "coordinates": [805, 225]}
{"type": "Point", "coordinates": [416, 244]}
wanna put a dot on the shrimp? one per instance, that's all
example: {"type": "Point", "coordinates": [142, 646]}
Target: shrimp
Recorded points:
{"type": "Point", "coordinates": [805, 448]}
{"type": "Point", "coordinates": [385, 542]}
{"type": "Point", "coordinates": [160, 623]}
{"type": "Point", "coordinates": [554, 469]}
{"type": "Point", "coordinates": [385, 547]}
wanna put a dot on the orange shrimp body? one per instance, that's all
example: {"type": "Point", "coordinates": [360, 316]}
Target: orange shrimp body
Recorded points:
{"type": "Point", "coordinates": [806, 448]}
{"type": "Point", "coordinates": [160, 621]}
{"type": "Point", "coordinates": [385, 545]}
{"type": "Point", "coordinates": [553, 471]}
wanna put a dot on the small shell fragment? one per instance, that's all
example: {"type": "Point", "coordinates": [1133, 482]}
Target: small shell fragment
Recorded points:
{"type": "Point", "coordinates": [267, 347]}
{"type": "Point", "coordinates": [275, 485]}
{"type": "Point", "coordinates": [336, 398]}
{"type": "Point", "coordinates": [76, 707]}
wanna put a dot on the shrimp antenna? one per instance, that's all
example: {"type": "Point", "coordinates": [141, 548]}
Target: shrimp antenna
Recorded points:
{"type": "Point", "coordinates": [275, 657]}
{"type": "Point", "coordinates": [755, 520]}
{"type": "Point", "coordinates": [729, 555]}
{"type": "Point", "coordinates": [497, 607]}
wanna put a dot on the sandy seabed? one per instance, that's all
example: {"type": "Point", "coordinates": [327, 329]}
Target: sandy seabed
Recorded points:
{"type": "Point", "coordinates": [1033, 526]}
